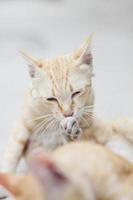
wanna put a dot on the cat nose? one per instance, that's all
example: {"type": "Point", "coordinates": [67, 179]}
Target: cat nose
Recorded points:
{"type": "Point", "coordinates": [68, 113]}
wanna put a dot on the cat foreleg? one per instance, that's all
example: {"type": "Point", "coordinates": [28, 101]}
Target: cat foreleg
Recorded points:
{"type": "Point", "coordinates": [12, 156]}
{"type": "Point", "coordinates": [15, 150]}
{"type": "Point", "coordinates": [14, 153]}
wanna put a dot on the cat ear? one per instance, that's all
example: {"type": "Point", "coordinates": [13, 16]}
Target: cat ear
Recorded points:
{"type": "Point", "coordinates": [49, 175]}
{"type": "Point", "coordinates": [34, 65]}
{"type": "Point", "coordinates": [9, 182]}
{"type": "Point", "coordinates": [46, 170]}
{"type": "Point", "coordinates": [83, 55]}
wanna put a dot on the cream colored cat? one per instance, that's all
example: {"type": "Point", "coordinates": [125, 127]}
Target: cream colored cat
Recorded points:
{"type": "Point", "coordinates": [58, 105]}
{"type": "Point", "coordinates": [76, 171]}
{"type": "Point", "coordinates": [58, 108]}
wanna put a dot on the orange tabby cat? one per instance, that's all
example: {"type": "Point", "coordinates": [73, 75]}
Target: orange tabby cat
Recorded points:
{"type": "Point", "coordinates": [76, 171]}
{"type": "Point", "coordinates": [58, 105]}
{"type": "Point", "coordinates": [58, 108]}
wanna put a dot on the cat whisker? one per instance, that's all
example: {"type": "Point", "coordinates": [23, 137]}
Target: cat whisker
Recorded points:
{"type": "Point", "coordinates": [85, 120]}
{"type": "Point", "coordinates": [79, 114]}
{"type": "Point", "coordinates": [88, 116]}
{"type": "Point", "coordinates": [56, 124]}
{"type": "Point", "coordinates": [43, 121]}
{"type": "Point", "coordinates": [50, 124]}
{"type": "Point", "coordinates": [42, 125]}
{"type": "Point", "coordinates": [45, 128]}
{"type": "Point", "coordinates": [88, 109]}
{"type": "Point", "coordinates": [84, 110]}
{"type": "Point", "coordinates": [92, 116]}
{"type": "Point", "coordinates": [40, 117]}
{"type": "Point", "coordinates": [88, 112]}
{"type": "Point", "coordinates": [90, 106]}
{"type": "Point", "coordinates": [87, 106]}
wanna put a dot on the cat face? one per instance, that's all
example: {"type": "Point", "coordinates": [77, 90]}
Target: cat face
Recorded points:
{"type": "Point", "coordinates": [46, 182]}
{"type": "Point", "coordinates": [63, 84]}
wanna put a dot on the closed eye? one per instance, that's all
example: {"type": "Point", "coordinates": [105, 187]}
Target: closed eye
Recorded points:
{"type": "Point", "coordinates": [75, 94]}
{"type": "Point", "coordinates": [52, 99]}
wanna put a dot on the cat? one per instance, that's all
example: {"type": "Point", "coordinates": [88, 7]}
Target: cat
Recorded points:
{"type": "Point", "coordinates": [59, 94]}
{"type": "Point", "coordinates": [58, 109]}
{"type": "Point", "coordinates": [75, 171]}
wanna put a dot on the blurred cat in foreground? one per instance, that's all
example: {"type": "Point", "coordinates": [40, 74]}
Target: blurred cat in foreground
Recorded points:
{"type": "Point", "coordinates": [76, 171]}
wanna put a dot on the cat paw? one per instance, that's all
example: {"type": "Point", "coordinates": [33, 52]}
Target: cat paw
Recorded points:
{"type": "Point", "coordinates": [3, 194]}
{"type": "Point", "coordinates": [71, 129]}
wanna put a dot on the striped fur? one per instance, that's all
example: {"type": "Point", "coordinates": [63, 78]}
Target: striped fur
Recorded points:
{"type": "Point", "coordinates": [58, 109]}
{"type": "Point", "coordinates": [57, 105]}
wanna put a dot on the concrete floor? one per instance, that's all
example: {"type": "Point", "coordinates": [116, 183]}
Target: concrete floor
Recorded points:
{"type": "Point", "coordinates": [48, 28]}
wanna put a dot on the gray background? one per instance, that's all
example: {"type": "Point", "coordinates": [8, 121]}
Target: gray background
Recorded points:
{"type": "Point", "coordinates": [48, 28]}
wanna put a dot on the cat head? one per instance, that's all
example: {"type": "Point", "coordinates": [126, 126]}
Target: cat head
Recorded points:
{"type": "Point", "coordinates": [47, 182]}
{"type": "Point", "coordinates": [63, 84]}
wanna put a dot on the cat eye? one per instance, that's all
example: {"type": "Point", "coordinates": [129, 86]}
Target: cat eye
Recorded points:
{"type": "Point", "coordinates": [75, 94]}
{"type": "Point", "coordinates": [52, 99]}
